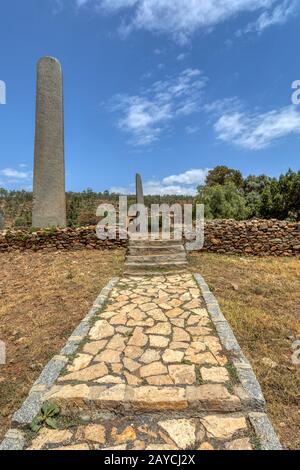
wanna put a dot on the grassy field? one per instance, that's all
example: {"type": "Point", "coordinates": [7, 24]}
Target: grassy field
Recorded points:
{"type": "Point", "coordinates": [43, 298]}
{"type": "Point", "coordinates": [45, 295]}
{"type": "Point", "coordinates": [261, 300]}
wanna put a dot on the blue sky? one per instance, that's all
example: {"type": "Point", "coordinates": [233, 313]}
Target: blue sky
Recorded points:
{"type": "Point", "coordinates": [168, 88]}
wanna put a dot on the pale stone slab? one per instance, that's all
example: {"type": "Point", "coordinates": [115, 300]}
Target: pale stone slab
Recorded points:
{"type": "Point", "coordinates": [172, 356]}
{"type": "Point", "coordinates": [181, 431]}
{"type": "Point", "coordinates": [89, 373]}
{"type": "Point", "coordinates": [223, 427]}
{"type": "Point", "coordinates": [49, 436]}
{"type": "Point", "coordinates": [182, 374]}
{"type": "Point", "coordinates": [155, 368]}
{"type": "Point", "coordinates": [214, 374]}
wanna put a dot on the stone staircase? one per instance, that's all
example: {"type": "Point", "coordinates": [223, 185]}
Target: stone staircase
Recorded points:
{"type": "Point", "coordinates": [155, 257]}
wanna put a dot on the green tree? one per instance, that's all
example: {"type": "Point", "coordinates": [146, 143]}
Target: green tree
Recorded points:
{"type": "Point", "coordinates": [223, 202]}
{"type": "Point", "coordinates": [222, 175]}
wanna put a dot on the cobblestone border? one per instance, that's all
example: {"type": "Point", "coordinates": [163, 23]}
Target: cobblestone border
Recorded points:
{"type": "Point", "coordinates": [251, 394]}
{"type": "Point", "coordinates": [14, 439]}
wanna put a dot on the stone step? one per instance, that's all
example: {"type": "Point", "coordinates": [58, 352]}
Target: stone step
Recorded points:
{"type": "Point", "coordinates": [153, 272]}
{"type": "Point", "coordinates": [174, 264]}
{"type": "Point", "coordinates": [154, 243]}
{"type": "Point", "coordinates": [187, 400]}
{"type": "Point", "coordinates": [146, 259]}
{"type": "Point", "coordinates": [158, 270]}
{"type": "Point", "coordinates": [155, 250]}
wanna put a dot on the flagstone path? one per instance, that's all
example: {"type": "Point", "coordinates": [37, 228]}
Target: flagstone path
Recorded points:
{"type": "Point", "coordinates": [154, 365]}
{"type": "Point", "coordinates": [152, 374]}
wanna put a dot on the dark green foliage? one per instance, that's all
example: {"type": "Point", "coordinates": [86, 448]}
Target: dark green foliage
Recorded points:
{"type": "Point", "coordinates": [222, 175]}
{"type": "Point", "coordinates": [223, 202]}
{"type": "Point", "coordinates": [48, 415]}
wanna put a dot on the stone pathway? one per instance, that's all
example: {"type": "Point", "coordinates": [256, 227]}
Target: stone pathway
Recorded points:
{"type": "Point", "coordinates": [151, 374]}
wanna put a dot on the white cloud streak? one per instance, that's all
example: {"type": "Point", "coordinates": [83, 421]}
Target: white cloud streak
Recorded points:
{"type": "Point", "coordinates": [16, 174]}
{"type": "Point", "coordinates": [279, 15]}
{"type": "Point", "coordinates": [147, 115]}
{"type": "Point", "coordinates": [258, 131]}
{"type": "Point", "coordinates": [182, 18]}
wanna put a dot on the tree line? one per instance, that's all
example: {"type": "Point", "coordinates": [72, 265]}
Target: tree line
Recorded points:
{"type": "Point", "coordinates": [225, 194]}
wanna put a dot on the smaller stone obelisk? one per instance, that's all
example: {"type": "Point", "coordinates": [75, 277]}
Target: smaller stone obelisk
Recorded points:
{"type": "Point", "coordinates": [49, 198]}
{"type": "Point", "coordinates": [139, 189]}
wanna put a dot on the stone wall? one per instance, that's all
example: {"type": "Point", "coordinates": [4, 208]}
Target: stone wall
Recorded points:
{"type": "Point", "coordinates": [252, 237]}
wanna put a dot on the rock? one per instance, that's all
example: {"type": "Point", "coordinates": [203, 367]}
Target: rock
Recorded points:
{"type": "Point", "coordinates": [80, 362]}
{"type": "Point", "coordinates": [181, 431]}
{"type": "Point", "coordinates": [94, 346]}
{"type": "Point", "coordinates": [73, 447]}
{"type": "Point", "coordinates": [158, 341]}
{"type": "Point", "coordinates": [206, 446]}
{"type": "Point", "coordinates": [174, 312]}
{"type": "Point", "coordinates": [109, 356]}
{"type": "Point", "coordinates": [138, 338]}
{"type": "Point", "coordinates": [172, 356]}
{"type": "Point", "coordinates": [182, 374]}
{"type": "Point", "coordinates": [49, 436]}
{"type": "Point", "coordinates": [239, 444]}
{"type": "Point", "coordinates": [89, 373]}
{"type": "Point", "coordinates": [67, 392]}
{"type": "Point", "coordinates": [212, 397]}
{"type": "Point", "coordinates": [150, 355]}
{"type": "Point", "coordinates": [110, 379]}
{"type": "Point", "coordinates": [127, 435]}
{"type": "Point", "coordinates": [130, 364]}
{"type": "Point", "coordinates": [159, 398]}
{"type": "Point", "coordinates": [155, 368]}
{"type": "Point", "coordinates": [95, 433]}
{"type": "Point", "coordinates": [117, 343]}
{"type": "Point", "coordinates": [180, 335]}
{"type": "Point", "coordinates": [223, 427]}
{"type": "Point", "coordinates": [202, 358]}
{"type": "Point", "coordinates": [133, 352]}
{"type": "Point", "coordinates": [132, 379]}
{"type": "Point", "coordinates": [214, 374]}
{"type": "Point", "coordinates": [162, 328]}
{"type": "Point", "coordinates": [160, 380]}
{"type": "Point", "coordinates": [101, 329]}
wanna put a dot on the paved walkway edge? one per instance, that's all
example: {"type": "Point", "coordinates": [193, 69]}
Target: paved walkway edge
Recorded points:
{"type": "Point", "coordinates": [259, 420]}
{"type": "Point", "coordinates": [14, 439]}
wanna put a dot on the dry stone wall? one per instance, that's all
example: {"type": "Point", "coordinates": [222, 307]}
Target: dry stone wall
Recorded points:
{"type": "Point", "coordinates": [252, 237]}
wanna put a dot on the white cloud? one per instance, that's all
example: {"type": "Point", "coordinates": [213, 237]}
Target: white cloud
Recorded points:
{"type": "Point", "coordinates": [190, 177]}
{"type": "Point", "coordinates": [258, 131]}
{"type": "Point", "coordinates": [182, 18]}
{"type": "Point", "coordinates": [16, 174]}
{"type": "Point", "coordinates": [280, 14]}
{"type": "Point", "coordinates": [181, 184]}
{"type": "Point", "coordinates": [146, 116]}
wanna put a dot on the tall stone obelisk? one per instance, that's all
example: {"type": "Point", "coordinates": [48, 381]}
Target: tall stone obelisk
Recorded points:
{"type": "Point", "coordinates": [49, 198]}
{"type": "Point", "coordinates": [139, 189]}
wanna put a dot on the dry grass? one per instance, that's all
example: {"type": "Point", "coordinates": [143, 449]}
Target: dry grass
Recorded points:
{"type": "Point", "coordinates": [43, 298]}
{"type": "Point", "coordinates": [261, 300]}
